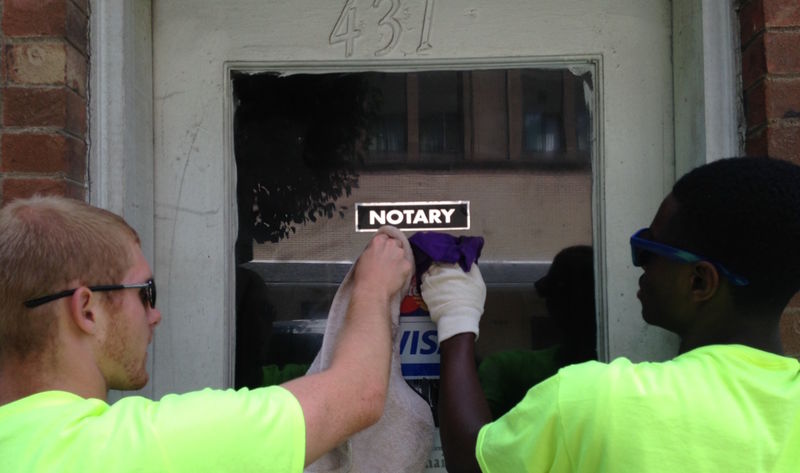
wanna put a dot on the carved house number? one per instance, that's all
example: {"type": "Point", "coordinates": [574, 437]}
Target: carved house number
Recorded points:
{"type": "Point", "coordinates": [347, 26]}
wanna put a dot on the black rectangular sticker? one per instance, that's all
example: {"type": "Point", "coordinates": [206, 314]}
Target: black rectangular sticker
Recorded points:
{"type": "Point", "coordinates": [450, 215]}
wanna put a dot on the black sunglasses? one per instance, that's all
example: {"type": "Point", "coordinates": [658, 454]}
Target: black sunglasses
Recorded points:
{"type": "Point", "coordinates": [147, 292]}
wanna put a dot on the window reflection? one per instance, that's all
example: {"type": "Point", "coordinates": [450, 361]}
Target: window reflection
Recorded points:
{"type": "Point", "coordinates": [388, 138]}
{"type": "Point", "coordinates": [520, 117]}
{"type": "Point", "coordinates": [555, 116]}
{"type": "Point", "coordinates": [440, 115]}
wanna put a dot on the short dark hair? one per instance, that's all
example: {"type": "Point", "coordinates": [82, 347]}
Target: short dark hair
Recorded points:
{"type": "Point", "coordinates": [745, 213]}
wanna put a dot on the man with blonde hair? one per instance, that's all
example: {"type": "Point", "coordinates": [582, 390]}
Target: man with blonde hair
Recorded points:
{"type": "Point", "coordinates": [77, 312]}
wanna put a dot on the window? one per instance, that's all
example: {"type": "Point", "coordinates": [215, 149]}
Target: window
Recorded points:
{"type": "Point", "coordinates": [515, 143]}
{"type": "Point", "coordinates": [515, 117]}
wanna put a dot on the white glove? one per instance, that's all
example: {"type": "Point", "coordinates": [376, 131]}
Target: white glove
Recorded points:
{"type": "Point", "coordinates": [454, 298]}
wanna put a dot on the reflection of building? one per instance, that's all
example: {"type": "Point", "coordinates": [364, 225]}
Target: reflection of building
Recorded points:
{"type": "Point", "coordinates": [559, 216]}
{"type": "Point", "coordinates": [154, 106]}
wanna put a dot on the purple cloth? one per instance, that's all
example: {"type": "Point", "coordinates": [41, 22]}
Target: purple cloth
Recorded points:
{"type": "Point", "coordinates": [430, 247]}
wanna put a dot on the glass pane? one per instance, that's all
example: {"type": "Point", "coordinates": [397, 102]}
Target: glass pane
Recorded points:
{"type": "Point", "coordinates": [514, 143]}
{"type": "Point", "coordinates": [542, 111]}
{"type": "Point", "coordinates": [489, 101]}
{"type": "Point", "coordinates": [388, 135]}
{"type": "Point", "coordinates": [440, 115]}
{"type": "Point", "coordinates": [555, 116]}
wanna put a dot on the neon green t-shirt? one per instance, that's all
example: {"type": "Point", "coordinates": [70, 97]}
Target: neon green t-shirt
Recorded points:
{"type": "Point", "coordinates": [721, 408]}
{"type": "Point", "coordinates": [209, 430]}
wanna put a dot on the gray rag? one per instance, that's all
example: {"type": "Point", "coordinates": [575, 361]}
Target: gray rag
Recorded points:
{"type": "Point", "coordinates": [401, 441]}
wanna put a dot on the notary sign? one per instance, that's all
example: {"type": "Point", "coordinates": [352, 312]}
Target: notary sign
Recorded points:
{"type": "Point", "coordinates": [449, 215]}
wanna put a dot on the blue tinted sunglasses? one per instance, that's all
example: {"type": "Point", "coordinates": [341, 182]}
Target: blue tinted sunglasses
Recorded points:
{"type": "Point", "coordinates": [640, 246]}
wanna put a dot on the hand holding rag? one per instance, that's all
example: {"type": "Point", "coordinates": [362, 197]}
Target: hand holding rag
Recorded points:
{"type": "Point", "coordinates": [454, 298]}
{"type": "Point", "coordinates": [401, 441]}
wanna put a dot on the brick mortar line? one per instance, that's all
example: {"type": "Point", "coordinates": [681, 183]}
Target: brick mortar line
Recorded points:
{"type": "Point", "coordinates": [783, 77]}
{"type": "Point", "coordinates": [16, 85]}
{"type": "Point", "coordinates": [771, 78]}
{"type": "Point", "coordinates": [39, 130]}
{"type": "Point", "coordinates": [774, 123]}
{"type": "Point", "coordinates": [34, 39]}
{"type": "Point", "coordinates": [39, 176]}
{"type": "Point", "coordinates": [767, 29]}
{"type": "Point", "coordinates": [791, 122]}
{"type": "Point", "coordinates": [20, 40]}
{"type": "Point", "coordinates": [782, 29]}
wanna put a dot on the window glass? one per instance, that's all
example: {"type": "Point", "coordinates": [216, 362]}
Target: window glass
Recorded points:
{"type": "Point", "coordinates": [441, 118]}
{"type": "Point", "coordinates": [388, 137]}
{"type": "Point", "coordinates": [515, 143]}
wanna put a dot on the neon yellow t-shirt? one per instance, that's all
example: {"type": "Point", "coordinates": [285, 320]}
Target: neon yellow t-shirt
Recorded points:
{"type": "Point", "coordinates": [209, 430]}
{"type": "Point", "coordinates": [722, 408]}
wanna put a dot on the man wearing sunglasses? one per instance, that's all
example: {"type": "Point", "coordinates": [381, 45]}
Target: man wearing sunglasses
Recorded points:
{"type": "Point", "coordinates": [77, 312]}
{"type": "Point", "coordinates": [721, 262]}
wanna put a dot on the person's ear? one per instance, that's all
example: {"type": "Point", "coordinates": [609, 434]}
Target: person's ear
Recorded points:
{"type": "Point", "coordinates": [705, 281]}
{"type": "Point", "coordinates": [82, 305]}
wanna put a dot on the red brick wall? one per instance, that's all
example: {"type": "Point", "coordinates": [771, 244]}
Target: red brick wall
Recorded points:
{"type": "Point", "coordinates": [771, 81]}
{"type": "Point", "coordinates": [43, 81]}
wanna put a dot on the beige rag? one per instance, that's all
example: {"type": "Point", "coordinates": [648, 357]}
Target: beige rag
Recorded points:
{"type": "Point", "coordinates": [401, 441]}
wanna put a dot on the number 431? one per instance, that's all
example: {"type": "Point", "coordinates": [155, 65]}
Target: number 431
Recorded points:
{"type": "Point", "coordinates": [346, 28]}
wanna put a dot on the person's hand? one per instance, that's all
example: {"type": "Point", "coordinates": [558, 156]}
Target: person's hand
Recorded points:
{"type": "Point", "coordinates": [454, 298]}
{"type": "Point", "coordinates": [382, 268]}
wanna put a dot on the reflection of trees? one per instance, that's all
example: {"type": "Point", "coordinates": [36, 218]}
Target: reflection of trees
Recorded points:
{"type": "Point", "coordinates": [296, 142]}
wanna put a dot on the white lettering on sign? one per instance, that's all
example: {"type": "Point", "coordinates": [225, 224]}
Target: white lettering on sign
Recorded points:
{"type": "Point", "coordinates": [447, 214]}
{"type": "Point", "coordinates": [394, 217]}
{"type": "Point", "coordinates": [436, 215]}
{"type": "Point", "coordinates": [421, 342]}
{"type": "Point", "coordinates": [409, 216]}
{"type": "Point", "coordinates": [419, 347]}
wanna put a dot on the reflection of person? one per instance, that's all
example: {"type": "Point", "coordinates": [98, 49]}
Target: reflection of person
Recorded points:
{"type": "Point", "coordinates": [568, 292]}
{"type": "Point", "coordinates": [254, 317]}
{"type": "Point", "coordinates": [728, 402]}
{"type": "Point", "coordinates": [78, 310]}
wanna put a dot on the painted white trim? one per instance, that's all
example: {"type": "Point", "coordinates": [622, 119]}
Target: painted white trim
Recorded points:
{"type": "Point", "coordinates": [105, 166]}
{"type": "Point", "coordinates": [706, 58]}
{"type": "Point", "coordinates": [121, 119]}
{"type": "Point", "coordinates": [722, 67]}
{"type": "Point", "coordinates": [231, 219]}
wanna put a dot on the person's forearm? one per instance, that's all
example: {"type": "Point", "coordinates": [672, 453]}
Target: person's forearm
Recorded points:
{"type": "Point", "coordinates": [349, 396]}
{"type": "Point", "coordinates": [463, 409]}
{"type": "Point", "coordinates": [362, 357]}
